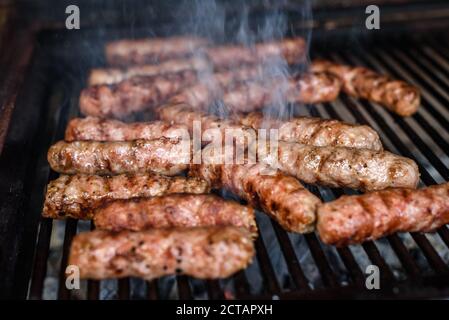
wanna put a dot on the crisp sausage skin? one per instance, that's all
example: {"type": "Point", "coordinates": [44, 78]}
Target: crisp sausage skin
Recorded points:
{"type": "Point", "coordinates": [114, 75]}
{"type": "Point", "coordinates": [132, 95]}
{"type": "Point", "coordinates": [316, 131]}
{"type": "Point", "coordinates": [395, 95]}
{"type": "Point", "coordinates": [358, 218]}
{"type": "Point", "coordinates": [174, 210]}
{"type": "Point", "coordinates": [164, 156]}
{"type": "Point", "coordinates": [290, 50]}
{"type": "Point", "coordinates": [206, 253]}
{"type": "Point", "coordinates": [122, 53]}
{"type": "Point", "coordinates": [339, 167]}
{"type": "Point", "coordinates": [279, 195]}
{"type": "Point", "coordinates": [98, 129]}
{"type": "Point", "coordinates": [77, 196]}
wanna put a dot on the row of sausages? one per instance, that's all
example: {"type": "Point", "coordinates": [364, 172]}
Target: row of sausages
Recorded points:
{"type": "Point", "coordinates": [293, 206]}
{"type": "Point", "coordinates": [199, 79]}
{"type": "Point", "coordinates": [125, 176]}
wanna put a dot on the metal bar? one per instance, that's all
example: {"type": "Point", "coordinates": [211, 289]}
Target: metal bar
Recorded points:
{"type": "Point", "coordinates": [241, 284]}
{"type": "Point", "coordinates": [351, 265]}
{"type": "Point", "coordinates": [152, 290]}
{"type": "Point", "coordinates": [123, 289]}
{"type": "Point", "coordinates": [404, 256]}
{"type": "Point", "coordinates": [299, 279]}
{"type": "Point", "coordinates": [374, 255]}
{"type": "Point", "coordinates": [93, 286]}
{"type": "Point", "coordinates": [214, 291]}
{"type": "Point", "coordinates": [184, 291]}
{"type": "Point", "coordinates": [266, 268]}
{"type": "Point", "coordinates": [40, 261]}
{"type": "Point", "coordinates": [70, 231]}
{"type": "Point", "coordinates": [328, 276]}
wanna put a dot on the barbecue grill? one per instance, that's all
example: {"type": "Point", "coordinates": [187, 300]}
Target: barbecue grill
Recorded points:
{"type": "Point", "coordinates": [45, 66]}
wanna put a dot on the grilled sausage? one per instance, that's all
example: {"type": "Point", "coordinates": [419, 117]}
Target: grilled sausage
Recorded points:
{"type": "Point", "coordinates": [290, 50]}
{"type": "Point", "coordinates": [207, 253]}
{"type": "Point", "coordinates": [175, 210]}
{"type": "Point", "coordinates": [132, 95]}
{"type": "Point", "coordinates": [164, 156]}
{"type": "Point", "coordinates": [97, 129]}
{"type": "Point", "coordinates": [210, 127]}
{"type": "Point", "coordinates": [317, 132]}
{"type": "Point", "coordinates": [397, 96]}
{"type": "Point", "coordinates": [279, 195]}
{"type": "Point", "coordinates": [358, 218]}
{"type": "Point", "coordinates": [78, 196]}
{"type": "Point", "coordinates": [151, 51]}
{"type": "Point", "coordinates": [115, 75]}
{"type": "Point", "coordinates": [249, 96]}
{"type": "Point", "coordinates": [345, 167]}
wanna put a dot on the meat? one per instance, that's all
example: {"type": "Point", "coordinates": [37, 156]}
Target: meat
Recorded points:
{"type": "Point", "coordinates": [277, 194]}
{"type": "Point", "coordinates": [344, 167]}
{"type": "Point", "coordinates": [358, 218]}
{"type": "Point", "coordinates": [175, 210]}
{"type": "Point", "coordinates": [317, 132]}
{"type": "Point", "coordinates": [206, 253]}
{"type": "Point", "coordinates": [98, 129]}
{"type": "Point", "coordinates": [151, 51]}
{"type": "Point", "coordinates": [247, 96]}
{"type": "Point", "coordinates": [397, 96]}
{"type": "Point", "coordinates": [209, 127]}
{"type": "Point", "coordinates": [132, 95]}
{"type": "Point", "coordinates": [115, 75]}
{"type": "Point", "coordinates": [78, 196]}
{"type": "Point", "coordinates": [163, 156]}
{"type": "Point", "coordinates": [291, 50]}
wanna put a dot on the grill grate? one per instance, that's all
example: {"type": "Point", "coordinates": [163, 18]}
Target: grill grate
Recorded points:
{"type": "Point", "coordinates": [414, 264]}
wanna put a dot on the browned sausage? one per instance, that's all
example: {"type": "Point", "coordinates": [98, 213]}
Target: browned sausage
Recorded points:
{"type": "Point", "coordinates": [206, 253]}
{"type": "Point", "coordinates": [316, 131]}
{"type": "Point", "coordinates": [132, 95]}
{"type": "Point", "coordinates": [279, 195]}
{"type": "Point", "coordinates": [249, 96]}
{"type": "Point", "coordinates": [115, 75]}
{"type": "Point", "coordinates": [98, 129]}
{"type": "Point", "coordinates": [78, 196]}
{"type": "Point", "coordinates": [174, 210]}
{"type": "Point", "coordinates": [151, 50]}
{"type": "Point", "coordinates": [345, 167]}
{"type": "Point", "coordinates": [164, 156]}
{"type": "Point", "coordinates": [397, 96]}
{"type": "Point", "coordinates": [358, 218]}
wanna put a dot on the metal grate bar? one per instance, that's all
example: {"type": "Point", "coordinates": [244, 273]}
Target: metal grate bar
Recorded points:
{"type": "Point", "coordinates": [404, 256]}
{"type": "Point", "coordinates": [123, 289]}
{"type": "Point", "coordinates": [351, 264]}
{"type": "Point", "coordinates": [152, 290]}
{"type": "Point", "coordinates": [93, 286]}
{"type": "Point", "coordinates": [40, 261]}
{"type": "Point", "coordinates": [266, 268]}
{"type": "Point", "coordinates": [293, 265]}
{"type": "Point", "coordinates": [214, 290]}
{"type": "Point", "coordinates": [241, 284]}
{"type": "Point", "coordinates": [184, 288]}
{"type": "Point", "coordinates": [319, 257]}
{"type": "Point", "coordinates": [70, 231]}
